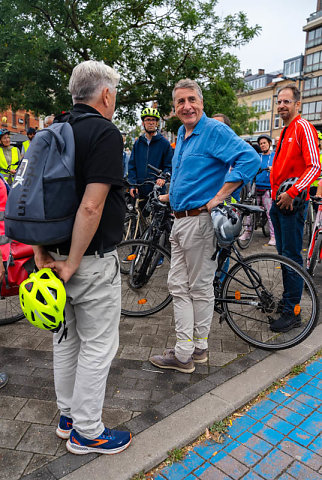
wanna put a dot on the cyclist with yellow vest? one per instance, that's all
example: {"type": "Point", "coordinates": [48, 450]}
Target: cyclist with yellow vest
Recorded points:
{"type": "Point", "coordinates": [9, 155]}
{"type": "Point", "coordinates": [31, 132]}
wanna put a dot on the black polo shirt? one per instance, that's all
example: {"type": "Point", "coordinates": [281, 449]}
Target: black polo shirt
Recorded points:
{"type": "Point", "coordinates": [98, 159]}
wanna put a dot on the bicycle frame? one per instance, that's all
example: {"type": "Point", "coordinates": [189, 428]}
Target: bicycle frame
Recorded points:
{"type": "Point", "coordinates": [254, 278]}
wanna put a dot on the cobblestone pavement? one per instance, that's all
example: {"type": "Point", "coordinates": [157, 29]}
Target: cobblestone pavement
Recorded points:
{"type": "Point", "coordinates": [277, 438]}
{"type": "Point", "coordinates": [137, 395]}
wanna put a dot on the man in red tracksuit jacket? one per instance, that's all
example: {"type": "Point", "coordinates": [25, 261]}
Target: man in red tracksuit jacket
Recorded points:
{"type": "Point", "coordinates": [297, 155]}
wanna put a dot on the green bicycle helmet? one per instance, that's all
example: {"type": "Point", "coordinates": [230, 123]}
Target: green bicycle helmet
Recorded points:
{"type": "Point", "coordinates": [150, 112]}
{"type": "Point", "coordinates": [42, 298]}
{"type": "Point", "coordinates": [319, 135]}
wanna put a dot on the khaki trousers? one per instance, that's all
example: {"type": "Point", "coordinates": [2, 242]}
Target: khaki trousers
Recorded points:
{"type": "Point", "coordinates": [190, 282]}
{"type": "Point", "coordinates": [82, 361]}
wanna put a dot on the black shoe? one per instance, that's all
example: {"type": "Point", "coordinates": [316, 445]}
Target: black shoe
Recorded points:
{"type": "Point", "coordinates": [286, 322]}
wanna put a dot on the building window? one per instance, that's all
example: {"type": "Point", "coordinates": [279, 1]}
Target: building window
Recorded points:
{"type": "Point", "coordinates": [257, 83]}
{"type": "Point", "coordinates": [27, 119]}
{"type": "Point", "coordinates": [262, 105]}
{"type": "Point", "coordinates": [277, 121]}
{"type": "Point", "coordinates": [314, 37]}
{"type": "Point", "coordinates": [262, 125]}
{"type": "Point", "coordinates": [14, 119]}
{"type": "Point", "coordinates": [313, 62]}
{"type": "Point", "coordinates": [312, 110]}
{"type": "Point", "coordinates": [292, 67]}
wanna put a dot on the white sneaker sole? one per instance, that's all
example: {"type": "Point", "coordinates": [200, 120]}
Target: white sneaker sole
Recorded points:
{"type": "Point", "coordinates": [203, 360]}
{"type": "Point", "coordinates": [63, 434]}
{"type": "Point", "coordinates": [83, 450]}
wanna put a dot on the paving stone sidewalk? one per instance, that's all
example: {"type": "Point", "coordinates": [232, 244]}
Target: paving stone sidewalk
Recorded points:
{"type": "Point", "coordinates": [137, 395]}
{"type": "Point", "coordinates": [277, 438]}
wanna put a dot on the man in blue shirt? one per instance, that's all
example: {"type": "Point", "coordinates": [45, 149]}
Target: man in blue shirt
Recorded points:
{"type": "Point", "coordinates": [201, 180]}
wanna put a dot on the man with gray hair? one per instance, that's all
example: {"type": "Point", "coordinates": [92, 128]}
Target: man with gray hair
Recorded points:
{"type": "Point", "coordinates": [49, 120]}
{"type": "Point", "coordinates": [89, 266]}
{"type": "Point", "coordinates": [201, 180]}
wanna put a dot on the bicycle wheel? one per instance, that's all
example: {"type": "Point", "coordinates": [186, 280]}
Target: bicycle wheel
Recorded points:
{"type": "Point", "coordinates": [144, 280]}
{"type": "Point", "coordinates": [10, 310]}
{"type": "Point", "coordinates": [254, 293]}
{"type": "Point", "coordinates": [315, 257]}
{"type": "Point", "coordinates": [247, 231]}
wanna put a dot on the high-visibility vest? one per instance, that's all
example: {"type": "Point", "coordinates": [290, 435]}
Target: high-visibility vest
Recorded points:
{"type": "Point", "coordinates": [26, 144]}
{"type": "Point", "coordinates": [316, 182]}
{"type": "Point", "coordinates": [14, 160]}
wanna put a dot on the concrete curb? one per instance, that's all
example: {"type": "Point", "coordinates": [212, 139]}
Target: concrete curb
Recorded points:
{"type": "Point", "coordinates": [150, 447]}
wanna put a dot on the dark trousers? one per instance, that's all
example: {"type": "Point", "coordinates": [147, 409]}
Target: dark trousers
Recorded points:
{"type": "Point", "coordinates": [289, 238]}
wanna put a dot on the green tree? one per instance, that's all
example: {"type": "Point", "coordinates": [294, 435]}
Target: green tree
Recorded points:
{"type": "Point", "coordinates": [151, 43]}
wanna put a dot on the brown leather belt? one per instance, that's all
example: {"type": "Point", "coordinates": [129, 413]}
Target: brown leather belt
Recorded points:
{"type": "Point", "coordinates": [189, 213]}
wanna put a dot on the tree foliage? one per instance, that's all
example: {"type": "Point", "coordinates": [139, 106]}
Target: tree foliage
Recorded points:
{"type": "Point", "coordinates": [151, 43]}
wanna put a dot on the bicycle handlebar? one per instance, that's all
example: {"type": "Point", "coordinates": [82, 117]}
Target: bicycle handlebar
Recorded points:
{"type": "Point", "coordinates": [160, 173]}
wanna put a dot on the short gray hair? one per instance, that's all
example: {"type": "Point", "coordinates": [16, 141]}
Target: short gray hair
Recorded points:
{"type": "Point", "coordinates": [89, 77]}
{"type": "Point", "coordinates": [187, 83]}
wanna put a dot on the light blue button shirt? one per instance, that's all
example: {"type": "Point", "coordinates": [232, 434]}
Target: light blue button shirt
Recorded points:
{"type": "Point", "coordinates": [201, 163]}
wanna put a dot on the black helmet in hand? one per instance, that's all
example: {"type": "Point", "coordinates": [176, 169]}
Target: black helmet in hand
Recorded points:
{"type": "Point", "coordinates": [298, 201]}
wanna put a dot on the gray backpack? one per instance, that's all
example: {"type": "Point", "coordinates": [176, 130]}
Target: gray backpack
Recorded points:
{"type": "Point", "coordinates": [43, 201]}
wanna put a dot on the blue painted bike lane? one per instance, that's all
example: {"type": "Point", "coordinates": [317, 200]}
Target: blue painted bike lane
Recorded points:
{"type": "Point", "coordinates": [278, 438]}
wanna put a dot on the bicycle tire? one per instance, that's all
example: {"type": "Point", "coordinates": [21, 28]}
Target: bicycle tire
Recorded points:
{"type": "Point", "coordinates": [148, 294]}
{"type": "Point", "coordinates": [252, 312]}
{"type": "Point", "coordinates": [10, 310]}
{"type": "Point", "coordinates": [243, 244]}
{"type": "Point", "coordinates": [315, 254]}
{"type": "Point", "coordinates": [309, 222]}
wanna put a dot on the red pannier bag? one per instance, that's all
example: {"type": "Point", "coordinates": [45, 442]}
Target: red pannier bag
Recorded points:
{"type": "Point", "coordinates": [18, 266]}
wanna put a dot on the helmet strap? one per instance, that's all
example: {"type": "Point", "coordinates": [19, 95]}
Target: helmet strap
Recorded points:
{"type": "Point", "coordinates": [64, 332]}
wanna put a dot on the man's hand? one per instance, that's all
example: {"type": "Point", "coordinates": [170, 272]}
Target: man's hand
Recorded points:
{"type": "Point", "coordinates": [160, 182]}
{"type": "Point", "coordinates": [164, 198]}
{"type": "Point", "coordinates": [64, 268]}
{"type": "Point", "coordinates": [42, 257]}
{"type": "Point", "coordinates": [214, 202]}
{"type": "Point", "coordinates": [285, 201]}
{"type": "Point", "coordinates": [226, 189]}
{"type": "Point", "coordinates": [134, 192]}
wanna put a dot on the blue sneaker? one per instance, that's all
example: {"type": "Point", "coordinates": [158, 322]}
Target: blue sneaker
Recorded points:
{"type": "Point", "coordinates": [64, 428]}
{"type": "Point", "coordinates": [109, 442]}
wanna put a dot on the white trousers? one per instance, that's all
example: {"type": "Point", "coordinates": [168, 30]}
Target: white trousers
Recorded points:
{"type": "Point", "coordinates": [190, 282]}
{"type": "Point", "coordinates": [82, 361]}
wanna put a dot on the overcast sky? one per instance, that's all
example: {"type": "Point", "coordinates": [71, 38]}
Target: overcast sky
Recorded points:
{"type": "Point", "coordinates": [281, 37]}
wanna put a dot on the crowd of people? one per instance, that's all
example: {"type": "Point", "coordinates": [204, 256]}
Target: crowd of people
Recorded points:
{"type": "Point", "coordinates": [209, 163]}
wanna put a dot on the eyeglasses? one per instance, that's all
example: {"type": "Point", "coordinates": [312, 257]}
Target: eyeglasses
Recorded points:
{"type": "Point", "coordinates": [286, 102]}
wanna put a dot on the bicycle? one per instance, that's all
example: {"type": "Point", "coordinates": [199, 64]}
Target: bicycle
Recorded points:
{"type": "Point", "coordinates": [249, 297]}
{"type": "Point", "coordinates": [135, 223]}
{"type": "Point", "coordinates": [314, 255]}
{"type": "Point", "coordinates": [144, 284]}
{"type": "Point", "coordinates": [254, 220]}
